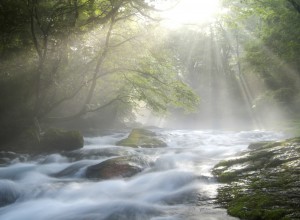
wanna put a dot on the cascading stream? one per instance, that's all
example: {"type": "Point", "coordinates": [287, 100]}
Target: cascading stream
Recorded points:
{"type": "Point", "coordinates": [175, 182]}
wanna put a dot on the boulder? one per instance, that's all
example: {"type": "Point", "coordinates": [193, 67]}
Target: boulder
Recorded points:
{"type": "Point", "coordinates": [142, 138]}
{"type": "Point", "coordinates": [71, 170]}
{"type": "Point", "coordinates": [56, 140]}
{"type": "Point", "coordinates": [30, 141]}
{"type": "Point", "coordinates": [7, 156]}
{"type": "Point", "coordinates": [258, 145]}
{"type": "Point", "coordinates": [114, 168]}
{"type": "Point", "coordinates": [264, 183]}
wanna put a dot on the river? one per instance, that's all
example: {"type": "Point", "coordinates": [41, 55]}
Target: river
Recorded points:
{"type": "Point", "coordinates": [175, 184]}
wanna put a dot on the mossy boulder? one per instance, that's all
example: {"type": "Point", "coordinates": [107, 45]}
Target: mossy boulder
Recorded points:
{"type": "Point", "coordinates": [258, 145]}
{"type": "Point", "coordinates": [114, 168]}
{"type": "Point", "coordinates": [263, 184]}
{"type": "Point", "coordinates": [57, 140]}
{"type": "Point", "coordinates": [52, 141]}
{"type": "Point", "coordinates": [142, 138]}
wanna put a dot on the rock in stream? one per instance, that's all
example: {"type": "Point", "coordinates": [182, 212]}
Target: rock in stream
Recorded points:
{"type": "Point", "coordinates": [126, 166]}
{"type": "Point", "coordinates": [142, 138]}
{"type": "Point", "coordinates": [264, 183]}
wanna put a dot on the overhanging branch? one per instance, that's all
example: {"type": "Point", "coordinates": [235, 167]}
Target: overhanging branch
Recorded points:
{"type": "Point", "coordinates": [85, 111]}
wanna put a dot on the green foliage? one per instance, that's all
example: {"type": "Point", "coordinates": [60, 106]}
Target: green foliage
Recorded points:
{"type": "Point", "coordinates": [156, 83]}
{"type": "Point", "coordinates": [270, 31]}
{"type": "Point", "coordinates": [64, 59]}
{"type": "Point", "coordinates": [14, 24]}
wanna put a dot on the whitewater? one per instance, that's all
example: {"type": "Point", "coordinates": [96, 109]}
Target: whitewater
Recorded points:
{"type": "Point", "coordinates": [175, 183]}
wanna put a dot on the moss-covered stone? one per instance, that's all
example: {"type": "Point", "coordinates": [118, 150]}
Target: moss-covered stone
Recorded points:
{"type": "Point", "coordinates": [227, 177]}
{"type": "Point", "coordinates": [259, 145]}
{"type": "Point", "coordinates": [52, 141]}
{"type": "Point", "coordinates": [256, 206]}
{"type": "Point", "coordinates": [59, 140]}
{"type": "Point", "coordinates": [142, 138]}
{"type": "Point", "coordinates": [264, 184]}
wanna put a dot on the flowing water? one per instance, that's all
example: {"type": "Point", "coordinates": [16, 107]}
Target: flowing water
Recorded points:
{"type": "Point", "coordinates": [176, 181]}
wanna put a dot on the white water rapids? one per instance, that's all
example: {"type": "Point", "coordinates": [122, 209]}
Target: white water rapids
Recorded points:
{"type": "Point", "coordinates": [176, 184]}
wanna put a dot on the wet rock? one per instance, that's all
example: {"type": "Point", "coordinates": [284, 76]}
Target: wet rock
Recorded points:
{"type": "Point", "coordinates": [258, 145]}
{"type": "Point", "coordinates": [56, 140]}
{"type": "Point", "coordinates": [264, 184]}
{"type": "Point", "coordinates": [7, 156]}
{"type": "Point", "coordinates": [94, 154]}
{"type": "Point", "coordinates": [52, 141]}
{"type": "Point", "coordinates": [114, 168]}
{"type": "Point", "coordinates": [142, 138]}
{"type": "Point", "coordinates": [71, 170]}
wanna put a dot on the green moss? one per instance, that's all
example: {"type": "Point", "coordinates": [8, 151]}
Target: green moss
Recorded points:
{"type": "Point", "coordinates": [260, 154]}
{"type": "Point", "coordinates": [275, 214]}
{"type": "Point", "coordinates": [293, 140]}
{"type": "Point", "coordinates": [267, 188]}
{"type": "Point", "coordinates": [227, 177]}
{"type": "Point", "coordinates": [257, 158]}
{"type": "Point", "coordinates": [228, 163]}
{"type": "Point", "coordinates": [258, 145]}
{"type": "Point", "coordinates": [256, 206]}
{"type": "Point", "coordinates": [141, 138]}
{"type": "Point", "coordinates": [274, 163]}
{"type": "Point", "coordinates": [60, 140]}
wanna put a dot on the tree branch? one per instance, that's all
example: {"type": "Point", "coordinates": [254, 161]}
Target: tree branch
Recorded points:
{"type": "Point", "coordinates": [144, 14]}
{"type": "Point", "coordinates": [68, 118]}
{"type": "Point", "coordinates": [76, 91]}
{"type": "Point", "coordinates": [123, 42]}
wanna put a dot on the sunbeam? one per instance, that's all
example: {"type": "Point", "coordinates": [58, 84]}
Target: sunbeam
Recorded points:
{"type": "Point", "coordinates": [189, 12]}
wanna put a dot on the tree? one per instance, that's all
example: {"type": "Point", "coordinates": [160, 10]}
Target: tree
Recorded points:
{"type": "Point", "coordinates": [72, 50]}
{"type": "Point", "coordinates": [271, 50]}
{"type": "Point", "coordinates": [209, 60]}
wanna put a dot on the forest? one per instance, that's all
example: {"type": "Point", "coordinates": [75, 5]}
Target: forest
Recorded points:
{"type": "Point", "coordinates": [85, 61]}
{"type": "Point", "coordinates": [102, 89]}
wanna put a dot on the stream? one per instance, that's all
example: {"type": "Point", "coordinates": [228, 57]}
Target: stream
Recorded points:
{"type": "Point", "coordinates": [176, 182]}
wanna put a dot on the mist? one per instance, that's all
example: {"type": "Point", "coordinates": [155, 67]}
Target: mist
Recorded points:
{"type": "Point", "coordinates": [149, 109]}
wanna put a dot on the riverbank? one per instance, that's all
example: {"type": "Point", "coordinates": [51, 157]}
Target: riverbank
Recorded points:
{"type": "Point", "coordinates": [263, 182]}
